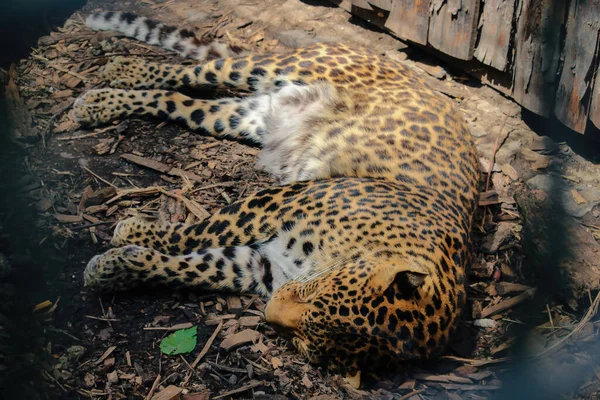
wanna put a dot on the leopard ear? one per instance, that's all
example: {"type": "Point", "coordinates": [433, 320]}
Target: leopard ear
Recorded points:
{"type": "Point", "coordinates": [407, 274]}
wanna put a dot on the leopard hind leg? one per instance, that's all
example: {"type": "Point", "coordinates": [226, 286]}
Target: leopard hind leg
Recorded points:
{"type": "Point", "coordinates": [285, 123]}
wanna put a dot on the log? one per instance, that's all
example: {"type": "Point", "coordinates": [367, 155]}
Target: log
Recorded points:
{"type": "Point", "coordinates": [581, 44]}
{"type": "Point", "coordinates": [562, 256]}
{"type": "Point", "coordinates": [496, 26]}
{"type": "Point", "coordinates": [537, 46]}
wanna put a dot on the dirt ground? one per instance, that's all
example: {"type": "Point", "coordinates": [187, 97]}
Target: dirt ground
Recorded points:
{"type": "Point", "coordinates": [79, 182]}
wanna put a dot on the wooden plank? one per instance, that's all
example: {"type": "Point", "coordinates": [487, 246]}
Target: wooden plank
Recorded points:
{"type": "Point", "coordinates": [362, 4]}
{"type": "Point", "coordinates": [382, 4]}
{"type": "Point", "coordinates": [453, 27]}
{"type": "Point", "coordinates": [537, 46]}
{"type": "Point", "coordinates": [409, 19]}
{"type": "Point", "coordinates": [496, 26]}
{"type": "Point", "coordinates": [595, 107]}
{"type": "Point", "coordinates": [345, 4]}
{"type": "Point", "coordinates": [581, 43]}
{"type": "Point", "coordinates": [369, 12]}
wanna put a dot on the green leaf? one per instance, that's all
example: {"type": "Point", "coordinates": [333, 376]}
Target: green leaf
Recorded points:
{"type": "Point", "coordinates": [179, 342]}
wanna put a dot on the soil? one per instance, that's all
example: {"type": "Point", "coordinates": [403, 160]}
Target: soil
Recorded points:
{"type": "Point", "coordinates": [60, 183]}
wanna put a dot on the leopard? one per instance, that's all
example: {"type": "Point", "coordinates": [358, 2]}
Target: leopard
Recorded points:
{"type": "Point", "coordinates": [361, 247]}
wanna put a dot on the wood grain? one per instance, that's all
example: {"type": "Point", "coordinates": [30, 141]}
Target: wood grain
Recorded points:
{"type": "Point", "coordinates": [573, 94]}
{"type": "Point", "coordinates": [537, 46]}
{"type": "Point", "coordinates": [410, 20]}
{"type": "Point", "coordinates": [496, 26]}
{"type": "Point", "coordinates": [453, 27]}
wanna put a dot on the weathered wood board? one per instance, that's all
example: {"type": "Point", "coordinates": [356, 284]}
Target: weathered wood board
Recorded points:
{"type": "Point", "coordinates": [453, 27]}
{"type": "Point", "coordinates": [496, 25]}
{"type": "Point", "coordinates": [537, 54]}
{"type": "Point", "coordinates": [573, 94]}
{"type": "Point", "coordinates": [595, 107]}
{"type": "Point", "coordinates": [409, 20]}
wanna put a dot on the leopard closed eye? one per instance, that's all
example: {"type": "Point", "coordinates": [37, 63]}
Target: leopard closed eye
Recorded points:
{"type": "Point", "coordinates": [361, 249]}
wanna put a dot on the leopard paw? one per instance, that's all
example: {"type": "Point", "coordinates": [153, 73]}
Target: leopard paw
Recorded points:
{"type": "Point", "coordinates": [131, 230]}
{"type": "Point", "coordinates": [118, 268]}
{"type": "Point", "coordinates": [98, 106]}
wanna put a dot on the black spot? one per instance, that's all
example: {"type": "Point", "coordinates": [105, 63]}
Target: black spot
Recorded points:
{"type": "Point", "coordinates": [198, 116]}
{"type": "Point", "coordinates": [235, 76]}
{"type": "Point", "coordinates": [259, 202]}
{"type": "Point", "coordinates": [214, 108]}
{"type": "Point", "coordinates": [211, 77]}
{"type": "Point", "coordinates": [229, 252]}
{"type": "Point", "coordinates": [429, 310]}
{"type": "Point", "coordinates": [258, 72]}
{"type": "Point", "coordinates": [219, 126]}
{"type": "Point", "coordinates": [234, 121]}
{"type": "Point", "coordinates": [171, 107]}
{"type": "Point", "coordinates": [307, 248]}
{"type": "Point", "coordinates": [291, 243]}
{"type": "Point", "coordinates": [239, 64]}
{"type": "Point", "coordinates": [344, 311]}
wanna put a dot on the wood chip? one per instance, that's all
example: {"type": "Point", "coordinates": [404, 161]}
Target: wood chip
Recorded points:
{"type": "Point", "coordinates": [276, 362]}
{"type": "Point", "coordinates": [250, 321]}
{"type": "Point", "coordinates": [250, 385]}
{"type": "Point", "coordinates": [442, 378]}
{"type": "Point", "coordinates": [507, 304]}
{"type": "Point", "coordinates": [160, 167]}
{"type": "Point", "coordinates": [105, 355]}
{"type": "Point", "coordinates": [212, 319]}
{"type": "Point", "coordinates": [244, 337]}
{"type": "Point", "coordinates": [168, 393]}
{"type": "Point", "coordinates": [454, 386]}
{"type": "Point", "coordinates": [68, 219]}
{"type": "Point", "coordinates": [579, 199]}
{"type": "Point", "coordinates": [509, 171]}
{"type": "Point", "coordinates": [234, 304]}
{"type": "Point", "coordinates": [146, 162]}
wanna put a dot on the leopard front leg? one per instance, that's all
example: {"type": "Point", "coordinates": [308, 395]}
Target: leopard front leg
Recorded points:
{"type": "Point", "coordinates": [239, 119]}
{"type": "Point", "coordinates": [254, 219]}
{"type": "Point", "coordinates": [239, 269]}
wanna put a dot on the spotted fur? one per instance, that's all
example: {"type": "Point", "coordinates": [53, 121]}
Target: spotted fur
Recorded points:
{"type": "Point", "coordinates": [362, 249]}
{"type": "Point", "coordinates": [183, 41]}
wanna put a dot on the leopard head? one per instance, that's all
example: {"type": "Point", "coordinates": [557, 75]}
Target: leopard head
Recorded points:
{"type": "Point", "coordinates": [368, 314]}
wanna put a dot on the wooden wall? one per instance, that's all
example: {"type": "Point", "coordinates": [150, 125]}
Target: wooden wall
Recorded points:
{"type": "Point", "coordinates": [543, 53]}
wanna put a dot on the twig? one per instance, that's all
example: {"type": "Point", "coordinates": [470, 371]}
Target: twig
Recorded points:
{"type": "Point", "coordinates": [497, 146]}
{"type": "Point", "coordinates": [102, 319]}
{"type": "Point", "coordinates": [411, 394]}
{"type": "Point", "coordinates": [98, 177]}
{"type": "Point", "coordinates": [551, 321]}
{"type": "Point", "coordinates": [60, 69]}
{"type": "Point", "coordinates": [153, 388]}
{"type": "Point", "coordinates": [87, 135]}
{"type": "Point", "coordinates": [593, 310]}
{"type": "Point", "coordinates": [250, 385]}
{"type": "Point", "coordinates": [206, 347]}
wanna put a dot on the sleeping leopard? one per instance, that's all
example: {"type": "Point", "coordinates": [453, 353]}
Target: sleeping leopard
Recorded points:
{"type": "Point", "coordinates": [361, 248]}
